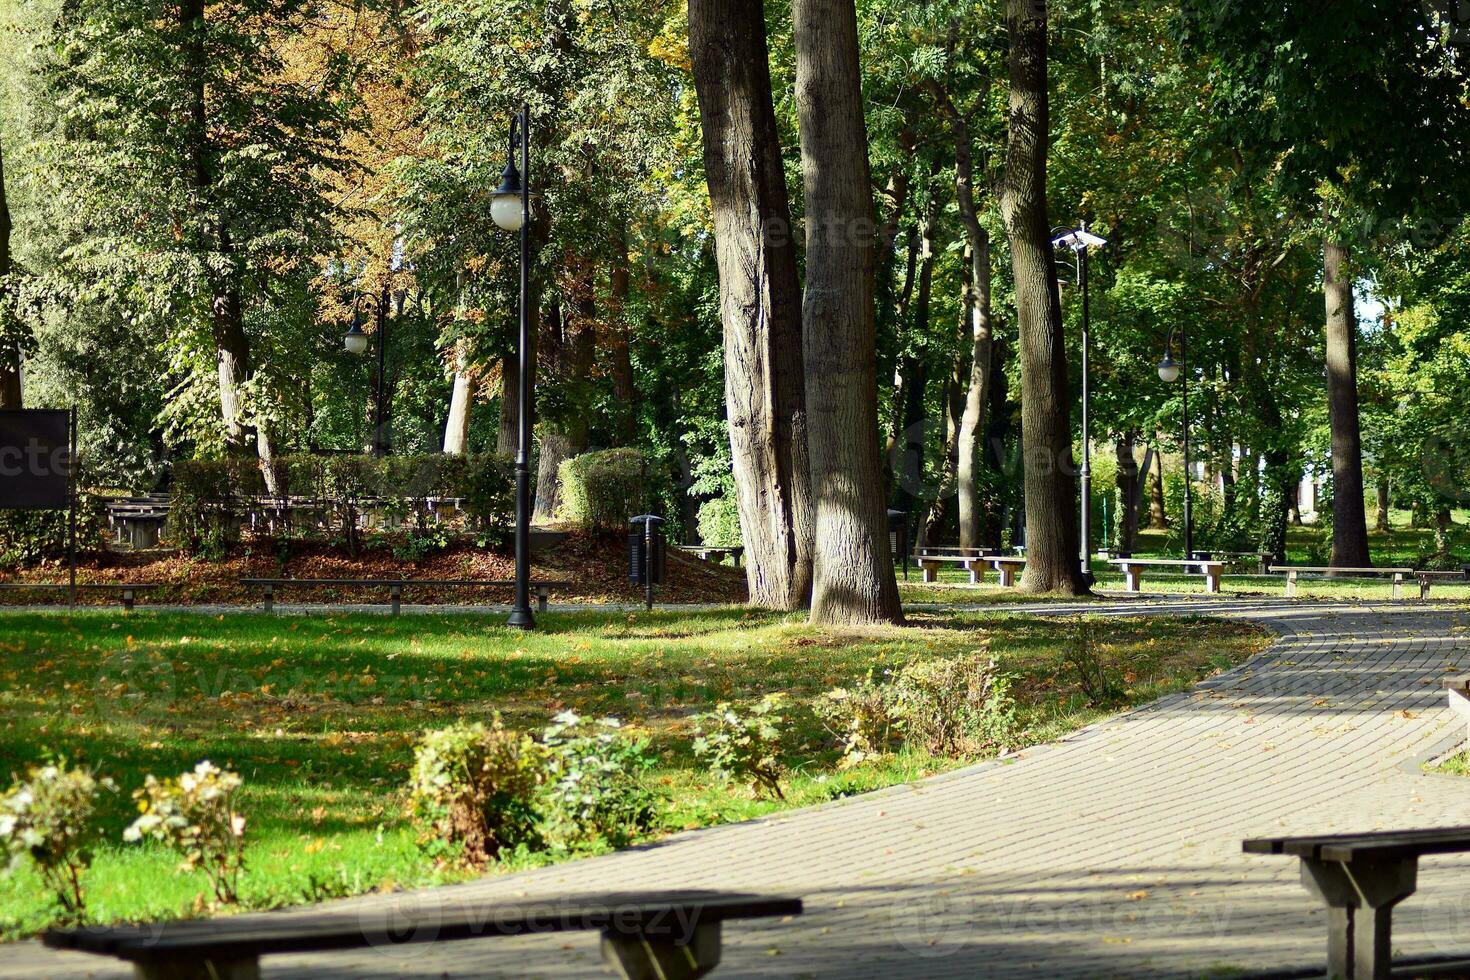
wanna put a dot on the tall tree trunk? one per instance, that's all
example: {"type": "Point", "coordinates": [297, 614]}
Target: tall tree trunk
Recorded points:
{"type": "Point", "coordinates": [1158, 520]}
{"type": "Point", "coordinates": [1349, 522]}
{"type": "Point", "coordinates": [853, 579]}
{"type": "Point", "coordinates": [625, 426]}
{"type": "Point", "coordinates": [569, 350]}
{"type": "Point", "coordinates": [911, 438]}
{"type": "Point", "coordinates": [1126, 481]}
{"type": "Point", "coordinates": [510, 393]}
{"type": "Point", "coordinates": [466, 385]}
{"type": "Point", "coordinates": [1051, 514]}
{"type": "Point", "coordinates": [997, 432]}
{"type": "Point", "coordinates": [1444, 522]}
{"type": "Point", "coordinates": [9, 350]}
{"type": "Point", "coordinates": [1381, 518]}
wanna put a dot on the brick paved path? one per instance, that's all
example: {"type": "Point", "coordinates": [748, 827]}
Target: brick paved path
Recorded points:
{"type": "Point", "coordinates": [1112, 854]}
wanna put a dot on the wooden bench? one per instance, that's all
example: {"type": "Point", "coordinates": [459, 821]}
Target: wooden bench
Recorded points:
{"type": "Point", "coordinates": [1133, 569]}
{"type": "Point", "coordinates": [395, 587]}
{"type": "Point", "coordinates": [128, 593]}
{"type": "Point", "coordinates": [673, 935]}
{"type": "Point", "coordinates": [717, 555]}
{"type": "Point", "coordinates": [1293, 571]}
{"type": "Point", "coordinates": [1360, 878]}
{"type": "Point", "coordinates": [1007, 568]}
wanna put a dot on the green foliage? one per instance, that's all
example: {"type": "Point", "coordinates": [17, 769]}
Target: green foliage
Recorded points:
{"type": "Point", "coordinates": [603, 489]}
{"type": "Point", "coordinates": [595, 792]}
{"type": "Point", "coordinates": [30, 537]}
{"type": "Point", "coordinates": [861, 718]}
{"type": "Point", "coordinates": [196, 815]}
{"type": "Point", "coordinates": [1100, 684]}
{"type": "Point", "coordinates": [472, 791]}
{"type": "Point", "coordinates": [745, 746]}
{"type": "Point", "coordinates": [954, 706]}
{"type": "Point", "coordinates": [719, 522]}
{"type": "Point", "coordinates": [47, 818]}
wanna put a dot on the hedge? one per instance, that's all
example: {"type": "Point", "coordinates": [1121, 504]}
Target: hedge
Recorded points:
{"type": "Point", "coordinates": [603, 489]}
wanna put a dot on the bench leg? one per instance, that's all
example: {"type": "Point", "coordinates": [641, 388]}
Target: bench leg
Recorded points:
{"type": "Point", "coordinates": [1398, 585]}
{"type": "Point", "coordinates": [1423, 588]}
{"type": "Point", "coordinates": [646, 957]}
{"type": "Point", "coordinates": [542, 594]}
{"type": "Point", "coordinates": [977, 572]}
{"type": "Point", "coordinates": [1212, 580]}
{"type": "Point", "coordinates": [1291, 585]}
{"type": "Point", "coordinates": [1133, 577]}
{"type": "Point", "coordinates": [242, 969]}
{"type": "Point", "coordinates": [127, 600]}
{"type": "Point", "coordinates": [931, 572]}
{"type": "Point", "coordinates": [1007, 576]}
{"type": "Point", "coordinates": [1360, 900]}
{"type": "Point", "coordinates": [268, 602]}
{"type": "Point", "coordinates": [395, 597]}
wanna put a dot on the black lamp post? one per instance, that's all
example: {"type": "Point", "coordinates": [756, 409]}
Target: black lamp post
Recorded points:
{"type": "Point", "coordinates": [510, 208]}
{"type": "Point", "coordinates": [1170, 371]}
{"type": "Point", "coordinates": [1080, 241]}
{"type": "Point", "coordinates": [356, 342]}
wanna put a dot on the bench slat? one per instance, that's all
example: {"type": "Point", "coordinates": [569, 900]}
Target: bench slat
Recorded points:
{"type": "Point", "coordinates": [1382, 844]}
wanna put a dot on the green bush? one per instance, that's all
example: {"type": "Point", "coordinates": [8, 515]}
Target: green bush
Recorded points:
{"type": "Point", "coordinates": [595, 792]}
{"type": "Point", "coordinates": [744, 747]}
{"type": "Point", "coordinates": [603, 489]}
{"type": "Point", "coordinates": [30, 537]}
{"type": "Point", "coordinates": [861, 718]}
{"type": "Point", "coordinates": [954, 706]}
{"type": "Point", "coordinates": [48, 819]}
{"type": "Point", "coordinates": [473, 791]}
{"type": "Point", "coordinates": [1101, 685]}
{"type": "Point", "coordinates": [719, 523]}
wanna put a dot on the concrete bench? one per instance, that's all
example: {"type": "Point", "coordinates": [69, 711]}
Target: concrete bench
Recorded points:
{"type": "Point", "coordinates": [1006, 567]}
{"type": "Point", "coordinates": [127, 593]}
{"type": "Point", "coordinates": [715, 554]}
{"type": "Point", "coordinates": [1133, 569]}
{"type": "Point", "coordinates": [1360, 878]}
{"type": "Point", "coordinates": [672, 935]}
{"type": "Point", "coordinates": [1427, 579]}
{"type": "Point", "coordinates": [395, 587]}
{"type": "Point", "coordinates": [1293, 572]}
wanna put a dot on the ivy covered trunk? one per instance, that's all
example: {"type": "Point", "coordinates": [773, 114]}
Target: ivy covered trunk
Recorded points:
{"type": "Point", "coordinates": [1046, 431]}
{"type": "Point", "coordinates": [1349, 522]}
{"type": "Point", "coordinates": [9, 348]}
{"type": "Point", "coordinates": [853, 578]}
{"type": "Point", "coordinates": [760, 299]}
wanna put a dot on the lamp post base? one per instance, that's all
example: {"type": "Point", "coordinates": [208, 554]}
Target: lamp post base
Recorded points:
{"type": "Point", "coordinates": [522, 619]}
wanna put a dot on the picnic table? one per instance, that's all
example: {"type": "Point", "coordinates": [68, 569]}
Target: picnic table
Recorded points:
{"type": "Point", "coordinates": [1360, 878]}
{"type": "Point", "coordinates": [668, 935]}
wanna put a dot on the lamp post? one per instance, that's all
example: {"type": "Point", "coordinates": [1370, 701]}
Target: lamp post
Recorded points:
{"type": "Point", "coordinates": [1170, 371]}
{"type": "Point", "coordinates": [1080, 241]}
{"type": "Point", "coordinates": [510, 208]}
{"type": "Point", "coordinates": [356, 342]}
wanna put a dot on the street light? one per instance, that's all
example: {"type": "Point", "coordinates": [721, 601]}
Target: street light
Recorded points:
{"type": "Point", "coordinates": [1171, 371]}
{"type": "Point", "coordinates": [1081, 241]}
{"type": "Point", "coordinates": [510, 209]}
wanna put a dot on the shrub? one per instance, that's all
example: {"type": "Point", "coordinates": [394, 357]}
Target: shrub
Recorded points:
{"type": "Point", "coordinates": [486, 483]}
{"type": "Point", "coordinates": [719, 522]}
{"type": "Point", "coordinates": [861, 718]}
{"type": "Point", "coordinates": [594, 789]}
{"type": "Point", "coordinates": [30, 537]}
{"type": "Point", "coordinates": [603, 489]}
{"type": "Point", "coordinates": [195, 815]}
{"type": "Point", "coordinates": [745, 747]}
{"type": "Point", "coordinates": [954, 706]}
{"type": "Point", "coordinates": [1101, 686]}
{"type": "Point", "coordinates": [48, 818]}
{"type": "Point", "coordinates": [473, 789]}
{"type": "Point", "coordinates": [206, 503]}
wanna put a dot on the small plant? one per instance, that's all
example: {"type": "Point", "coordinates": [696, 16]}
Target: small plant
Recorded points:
{"type": "Point", "coordinates": [861, 718]}
{"type": "Point", "coordinates": [416, 545]}
{"type": "Point", "coordinates": [48, 818]}
{"type": "Point", "coordinates": [744, 747]}
{"type": "Point", "coordinates": [195, 815]}
{"type": "Point", "coordinates": [1098, 684]}
{"type": "Point", "coordinates": [594, 782]}
{"type": "Point", "coordinates": [954, 706]}
{"type": "Point", "coordinates": [473, 788]}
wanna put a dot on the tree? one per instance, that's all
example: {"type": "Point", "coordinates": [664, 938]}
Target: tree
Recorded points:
{"type": "Point", "coordinates": [1046, 430]}
{"type": "Point", "coordinates": [853, 580]}
{"type": "Point", "coordinates": [760, 298]}
{"type": "Point", "coordinates": [10, 394]}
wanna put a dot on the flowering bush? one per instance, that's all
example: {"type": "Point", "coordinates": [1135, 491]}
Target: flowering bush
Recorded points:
{"type": "Point", "coordinates": [195, 814]}
{"type": "Point", "coordinates": [473, 787]}
{"type": "Point", "coordinates": [743, 747]}
{"type": "Point", "coordinates": [594, 782]}
{"type": "Point", "coordinates": [47, 818]}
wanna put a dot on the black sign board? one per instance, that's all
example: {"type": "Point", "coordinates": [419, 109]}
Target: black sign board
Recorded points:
{"type": "Point", "coordinates": [35, 459]}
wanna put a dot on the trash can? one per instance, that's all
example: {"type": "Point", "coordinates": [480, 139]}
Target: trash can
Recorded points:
{"type": "Point", "coordinates": [898, 537]}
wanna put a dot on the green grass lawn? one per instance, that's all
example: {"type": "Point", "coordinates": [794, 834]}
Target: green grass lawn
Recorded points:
{"type": "Point", "coordinates": [319, 715]}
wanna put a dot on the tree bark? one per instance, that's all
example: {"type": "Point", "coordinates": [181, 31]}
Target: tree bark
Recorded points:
{"type": "Point", "coordinates": [625, 426]}
{"type": "Point", "coordinates": [510, 393]}
{"type": "Point", "coordinates": [760, 299]}
{"type": "Point", "coordinates": [1349, 522]}
{"type": "Point", "coordinates": [911, 436]}
{"type": "Point", "coordinates": [1381, 518]}
{"type": "Point", "coordinates": [1443, 523]}
{"type": "Point", "coordinates": [10, 394]}
{"type": "Point", "coordinates": [1046, 431]}
{"type": "Point", "coordinates": [1127, 483]}
{"type": "Point", "coordinates": [853, 579]}
{"type": "Point", "coordinates": [1157, 519]}
{"type": "Point", "coordinates": [466, 385]}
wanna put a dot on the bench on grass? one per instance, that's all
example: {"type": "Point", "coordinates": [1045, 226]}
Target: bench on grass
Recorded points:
{"type": "Point", "coordinates": [395, 587]}
{"type": "Point", "coordinates": [671, 935]}
{"type": "Point", "coordinates": [1133, 569]}
{"type": "Point", "coordinates": [1360, 878]}
{"type": "Point", "coordinates": [930, 564]}
{"type": "Point", "coordinates": [128, 593]}
{"type": "Point", "coordinates": [1427, 579]}
{"type": "Point", "coordinates": [716, 555]}
{"type": "Point", "coordinates": [1295, 571]}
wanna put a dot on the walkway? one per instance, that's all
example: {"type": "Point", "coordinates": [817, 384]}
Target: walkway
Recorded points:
{"type": "Point", "coordinates": [1112, 854]}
